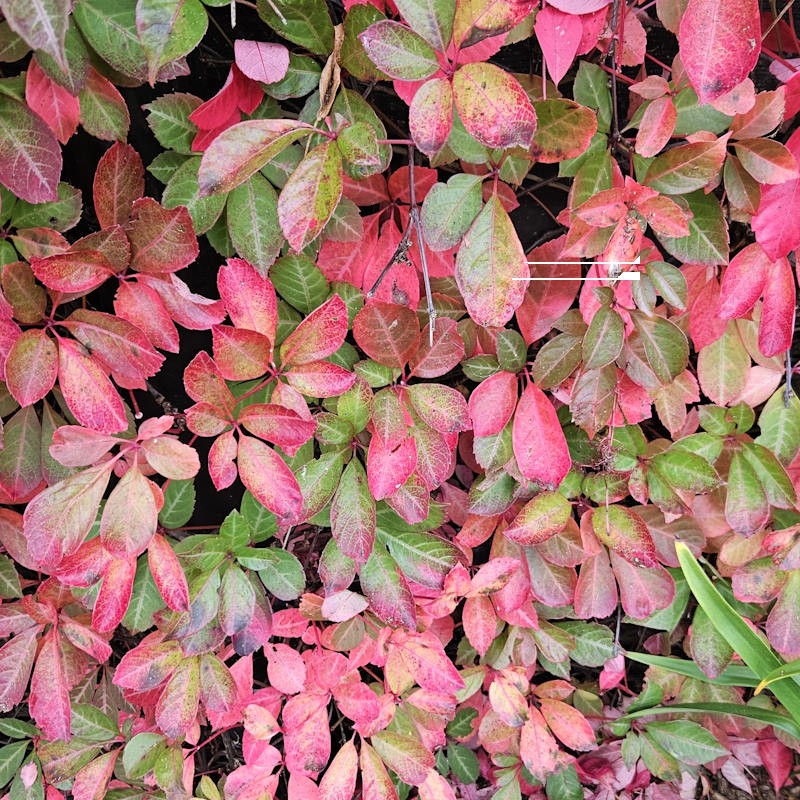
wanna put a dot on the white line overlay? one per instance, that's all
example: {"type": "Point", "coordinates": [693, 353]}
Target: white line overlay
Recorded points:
{"type": "Point", "coordinates": [623, 276]}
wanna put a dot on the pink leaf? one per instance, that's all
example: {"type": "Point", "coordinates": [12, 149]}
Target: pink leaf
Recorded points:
{"type": "Point", "coordinates": [249, 297]}
{"type": "Point", "coordinates": [221, 458]}
{"type": "Point", "coordinates": [776, 328]}
{"type": "Point", "coordinates": [115, 594]}
{"type": "Point", "coordinates": [268, 478]}
{"type": "Point", "coordinates": [743, 281]}
{"type": "Point", "coordinates": [129, 516]}
{"type": "Point", "coordinates": [286, 669]}
{"type": "Point", "coordinates": [656, 127]}
{"type": "Point", "coordinates": [307, 738]}
{"type": "Point", "coordinates": [492, 403]}
{"type": "Point", "coordinates": [537, 747]}
{"type": "Point", "coordinates": [568, 724]}
{"type": "Point", "coordinates": [167, 574]}
{"type": "Point", "coordinates": [118, 183]}
{"type": "Point", "coordinates": [320, 379]}
{"type": "Point", "coordinates": [430, 117]}
{"type": "Point", "coordinates": [171, 458]}
{"type": "Point", "coordinates": [443, 408]}
{"type": "Point", "coordinates": [539, 444]}
{"type": "Point", "coordinates": [54, 104]}
{"type": "Point", "coordinates": [261, 61]}
{"type": "Point", "coordinates": [777, 759]}
{"type": "Point", "coordinates": [277, 424]}
{"type": "Point", "coordinates": [579, 6]}
{"type": "Point", "coordinates": [49, 699]}
{"type": "Point", "coordinates": [31, 366]}
{"type": "Point", "coordinates": [79, 271]}
{"type": "Point", "coordinates": [16, 661]}
{"type": "Point", "coordinates": [142, 306]}
{"type": "Point", "coordinates": [89, 393]}
{"type": "Point", "coordinates": [147, 665]}
{"type": "Point", "coordinates": [241, 354]}
{"type": "Point", "coordinates": [204, 383]}
{"type": "Point", "coordinates": [339, 780]}
{"type": "Point", "coordinates": [719, 44]}
{"type": "Point", "coordinates": [162, 240]}
{"type": "Point", "coordinates": [559, 35]}
{"type": "Point", "coordinates": [480, 623]}
{"type": "Point", "coordinates": [388, 468]}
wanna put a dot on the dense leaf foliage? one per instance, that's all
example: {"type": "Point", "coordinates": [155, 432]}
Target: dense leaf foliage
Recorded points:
{"type": "Point", "coordinates": [503, 514]}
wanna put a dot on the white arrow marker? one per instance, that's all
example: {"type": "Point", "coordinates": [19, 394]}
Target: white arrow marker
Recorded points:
{"type": "Point", "coordinates": [623, 276]}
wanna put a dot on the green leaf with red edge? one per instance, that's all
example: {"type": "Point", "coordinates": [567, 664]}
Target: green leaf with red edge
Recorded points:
{"type": "Point", "coordinates": [476, 20]}
{"type": "Point", "coordinates": [375, 781]}
{"type": "Point", "coordinates": [626, 533]}
{"type": "Point", "coordinates": [387, 333]}
{"type": "Point", "coordinates": [104, 113]}
{"type": "Point", "coordinates": [719, 45]}
{"type": "Point", "coordinates": [167, 573]}
{"type": "Point", "coordinates": [386, 589]}
{"type": "Point", "coordinates": [564, 130]}
{"type": "Point", "coordinates": [204, 383]}
{"type": "Point", "coordinates": [722, 367]}
{"type": "Point", "coordinates": [147, 665]}
{"type": "Point", "coordinates": [493, 106]}
{"type": "Point", "coordinates": [115, 594]}
{"type": "Point", "coordinates": [49, 698]}
{"type": "Point", "coordinates": [16, 661]}
{"type": "Point", "coordinates": [491, 266]}
{"type": "Point", "coordinates": [118, 183]}
{"type": "Point", "coordinates": [430, 116]}
{"type": "Point", "coordinates": [309, 197]}
{"type": "Point", "coordinates": [129, 516]}
{"type": "Point", "coordinates": [20, 459]}
{"type": "Point", "coordinates": [319, 335]}
{"type": "Point", "coordinates": [177, 706]}
{"type": "Point", "coordinates": [686, 167]}
{"type": "Point", "coordinates": [237, 600]}
{"type": "Point", "coordinates": [43, 25]}
{"type": "Point", "coordinates": [269, 480]}
{"type": "Point", "coordinates": [746, 502]}
{"type": "Point", "coordinates": [443, 408]}
{"type": "Point", "coordinates": [538, 440]}
{"type": "Point", "coordinates": [240, 353]}
{"type": "Point", "coordinates": [431, 19]}
{"type": "Point", "coordinates": [540, 519]}
{"type": "Point", "coordinates": [73, 272]}
{"type": "Point", "coordinates": [162, 240]}
{"type": "Point", "coordinates": [31, 366]}
{"type": "Point", "coordinates": [766, 160]}
{"type": "Point", "coordinates": [353, 514]}
{"type": "Point", "coordinates": [405, 755]}
{"type": "Point", "coordinates": [243, 149]}
{"type": "Point", "coordinates": [398, 51]}
{"type": "Point", "coordinates": [217, 687]}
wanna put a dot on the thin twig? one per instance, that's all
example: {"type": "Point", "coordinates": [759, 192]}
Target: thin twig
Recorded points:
{"type": "Point", "coordinates": [420, 242]}
{"type": "Point", "coordinates": [398, 255]}
{"type": "Point", "coordinates": [612, 53]}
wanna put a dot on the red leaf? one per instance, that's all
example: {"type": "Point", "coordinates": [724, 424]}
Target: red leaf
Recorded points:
{"type": "Point", "coordinates": [642, 591]}
{"type": "Point", "coordinates": [776, 328]}
{"type": "Point", "coordinates": [743, 281]}
{"type": "Point", "coordinates": [85, 639]}
{"type": "Point", "coordinates": [16, 661]}
{"type": "Point", "coordinates": [492, 403]}
{"type": "Point", "coordinates": [568, 724]}
{"type": "Point", "coordinates": [184, 306]}
{"type": "Point", "coordinates": [493, 106]}
{"type": "Point", "coordinates": [319, 335]}
{"type": "Point", "coordinates": [162, 240]}
{"type": "Point", "coordinates": [177, 706]}
{"type": "Point", "coordinates": [537, 747]}
{"type": "Point", "coordinates": [320, 379]}
{"type": "Point", "coordinates": [129, 516]}
{"type": "Point", "coordinates": [446, 352]}
{"type": "Point", "coordinates": [778, 760]}
{"type": "Point", "coordinates": [387, 333]}
{"type": "Point", "coordinates": [73, 272]}
{"type": "Point", "coordinates": [167, 574]}
{"type": "Point", "coordinates": [269, 480]}
{"type": "Point", "coordinates": [115, 594]}
{"type": "Point", "coordinates": [221, 458]}
{"type": "Point", "coordinates": [31, 366]}
{"type": "Point", "coordinates": [91, 781]}
{"type": "Point", "coordinates": [389, 468]}
{"type": "Point", "coordinates": [54, 104]}
{"type": "Point", "coordinates": [118, 183]}
{"type": "Point", "coordinates": [261, 61]}
{"type": "Point", "coordinates": [143, 307]}
{"type": "Point", "coordinates": [49, 699]}
{"type": "Point", "coordinates": [539, 444]}
{"type": "Point", "coordinates": [89, 393]}
{"type": "Point", "coordinates": [719, 45]}
{"type": "Point", "coordinates": [58, 519]}
{"type": "Point", "coordinates": [147, 665]}
{"type": "Point", "coordinates": [204, 383]}
{"type": "Point", "coordinates": [277, 424]}
{"type": "Point", "coordinates": [559, 35]}
{"type": "Point", "coordinates": [249, 297]}
{"type": "Point", "coordinates": [430, 116]}
{"type": "Point", "coordinates": [241, 354]}
{"type": "Point", "coordinates": [596, 591]}
{"type": "Point", "coordinates": [480, 623]}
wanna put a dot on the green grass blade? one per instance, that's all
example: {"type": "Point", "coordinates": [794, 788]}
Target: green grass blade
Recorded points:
{"type": "Point", "coordinates": [785, 671]}
{"type": "Point", "coordinates": [764, 715]}
{"type": "Point", "coordinates": [758, 655]}
{"type": "Point", "coordinates": [733, 676]}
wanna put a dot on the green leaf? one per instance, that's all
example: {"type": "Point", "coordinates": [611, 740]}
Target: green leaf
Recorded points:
{"type": "Point", "coordinates": [301, 79]}
{"type": "Point", "coordinates": [168, 118]}
{"type": "Point", "coordinates": [665, 345]}
{"type": "Point", "coordinates": [141, 752]}
{"type": "Point", "coordinates": [300, 282]}
{"type": "Point", "coordinates": [424, 558]}
{"type": "Point", "coordinates": [61, 214]}
{"type": "Point", "coordinates": [463, 763]}
{"type": "Point", "coordinates": [758, 655]}
{"type": "Point", "coordinates": [234, 533]}
{"type": "Point", "coordinates": [304, 22]}
{"type": "Point", "coordinates": [309, 197]}
{"type": "Point", "coordinates": [252, 219]}
{"type": "Point", "coordinates": [386, 589]}
{"type": "Point", "coordinates": [282, 574]}
{"type": "Point", "coordinates": [353, 513]}
{"type": "Point", "coordinates": [11, 757]}
{"type": "Point", "coordinates": [604, 337]}
{"type": "Point", "coordinates": [179, 500]}
{"type": "Point", "coordinates": [556, 360]}
{"type": "Point", "coordinates": [777, 484]}
{"type": "Point", "coordinates": [104, 113]}
{"type": "Point", "coordinates": [9, 580]}
{"type": "Point", "coordinates": [746, 503]}
{"type": "Point", "coordinates": [592, 89]}
{"type": "Point", "coordinates": [564, 785]}
{"type": "Point", "coordinates": [686, 471]}
{"type": "Point", "coordinates": [707, 241]}
{"type": "Point", "coordinates": [17, 729]}
{"type": "Point", "coordinates": [92, 724]}
{"type": "Point", "coordinates": [790, 670]}
{"type": "Point", "coordinates": [686, 167]}
{"type": "Point", "coordinates": [399, 52]}
{"type": "Point", "coordinates": [431, 19]}
{"type": "Point", "coordinates": [43, 24]}
{"type": "Point", "coordinates": [263, 522]}
{"type": "Point", "coordinates": [461, 725]}
{"type": "Point", "coordinates": [449, 209]}
{"type": "Point", "coordinates": [779, 426]}
{"type": "Point", "coordinates": [594, 643]}
{"type": "Point", "coordinates": [182, 190]}
{"type": "Point", "coordinates": [318, 480]}
{"type": "Point", "coordinates": [145, 600]}
{"type": "Point", "coordinates": [687, 741]}
{"type": "Point", "coordinates": [563, 130]}
{"type": "Point", "coordinates": [73, 76]}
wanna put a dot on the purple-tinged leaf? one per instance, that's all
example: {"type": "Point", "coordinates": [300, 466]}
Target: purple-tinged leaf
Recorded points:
{"type": "Point", "coordinates": [265, 62]}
